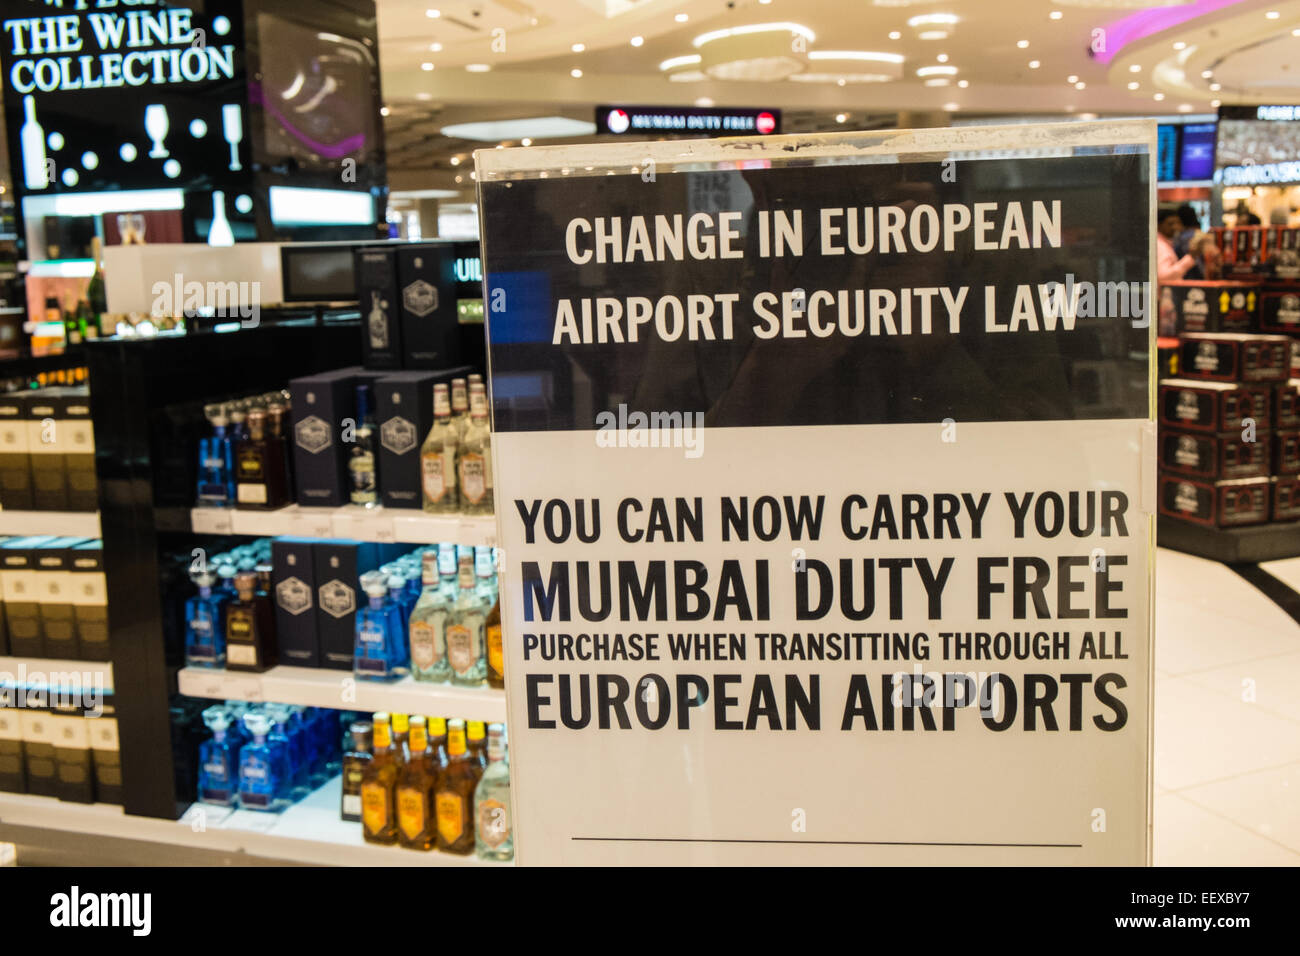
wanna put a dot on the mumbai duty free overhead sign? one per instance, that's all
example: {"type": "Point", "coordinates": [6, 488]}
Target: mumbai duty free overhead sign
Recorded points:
{"type": "Point", "coordinates": [686, 121]}
{"type": "Point", "coordinates": [824, 476]}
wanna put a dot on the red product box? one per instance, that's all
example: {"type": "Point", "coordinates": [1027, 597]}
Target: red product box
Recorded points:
{"type": "Point", "coordinates": [1215, 504]}
{"type": "Point", "coordinates": [1286, 453]}
{"type": "Point", "coordinates": [1214, 406]}
{"type": "Point", "coordinates": [1286, 404]}
{"type": "Point", "coordinates": [1215, 457]}
{"type": "Point", "coordinates": [1285, 497]}
{"type": "Point", "coordinates": [1235, 357]}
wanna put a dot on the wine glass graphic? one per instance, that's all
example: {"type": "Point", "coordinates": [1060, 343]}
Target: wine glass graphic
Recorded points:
{"type": "Point", "coordinates": [156, 125]}
{"type": "Point", "coordinates": [232, 128]}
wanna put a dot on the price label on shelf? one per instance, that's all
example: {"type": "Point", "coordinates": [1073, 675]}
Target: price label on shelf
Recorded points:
{"type": "Point", "coordinates": [384, 532]}
{"type": "Point", "coordinates": [212, 521]}
{"type": "Point", "coordinates": [312, 524]}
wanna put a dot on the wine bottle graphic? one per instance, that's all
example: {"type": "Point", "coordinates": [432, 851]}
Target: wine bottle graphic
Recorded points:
{"type": "Point", "coordinates": [32, 136]}
{"type": "Point", "coordinates": [232, 128]}
{"type": "Point", "coordinates": [220, 234]}
{"type": "Point", "coordinates": [378, 323]}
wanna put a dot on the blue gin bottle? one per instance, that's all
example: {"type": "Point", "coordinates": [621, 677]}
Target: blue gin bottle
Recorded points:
{"type": "Point", "coordinates": [260, 785]}
{"type": "Point", "coordinates": [205, 624]}
{"type": "Point", "coordinates": [380, 652]}
{"type": "Point", "coordinates": [284, 753]}
{"type": "Point", "coordinates": [218, 760]}
{"type": "Point", "coordinates": [216, 485]}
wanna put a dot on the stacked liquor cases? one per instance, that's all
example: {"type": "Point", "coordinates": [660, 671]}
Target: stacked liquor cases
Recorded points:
{"type": "Point", "coordinates": [237, 710]}
{"type": "Point", "coordinates": [1229, 415]}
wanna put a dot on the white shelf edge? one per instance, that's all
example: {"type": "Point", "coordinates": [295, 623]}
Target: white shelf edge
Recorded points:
{"type": "Point", "coordinates": [340, 690]}
{"type": "Point", "coordinates": [351, 521]}
{"type": "Point", "coordinates": [70, 524]}
{"type": "Point", "coordinates": [45, 665]}
{"type": "Point", "coordinates": [335, 841]}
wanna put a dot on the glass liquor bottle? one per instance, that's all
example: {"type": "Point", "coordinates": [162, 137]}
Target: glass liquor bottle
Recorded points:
{"type": "Point", "coordinates": [459, 406]}
{"type": "Point", "coordinates": [428, 626]}
{"type": "Point", "coordinates": [362, 462]}
{"type": "Point", "coordinates": [380, 652]}
{"type": "Point", "coordinates": [454, 794]}
{"type": "Point", "coordinates": [438, 458]}
{"type": "Point", "coordinates": [401, 724]}
{"type": "Point", "coordinates": [494, 836]}
{"type": "Point", "coordinates": [474, 459]}
{"type": "Point", "coordinates": [464, 630]}
{"type": "Point", "coordinates": [260, 786]}
{"type": "Point", "coordinates": [416, 829]}
{"type": "Point", "coordinates": [283, 753]}
{"type": "Point", "coordinates": [261, 476]}
{"type": "Point", "coordinates": [205, 624]}
{"type": "Point", "coordinates": [438, 741]}
{"type": "Point", "coordinates": [449, 569]}
{"type": "Point", "coordinates": [355, 759]}
{"type": "Point", "coordinates": [476, 742]}
{"type": "Point", "coordinates": [218, 760]}
{"type": "Point", "coordinates": [216, 462]}
{"type": "Point", "coordinates": [378, 787]}
{"type": "Point", "coordinates": [496, 657]}
{"type": "Point", "coordinates": [294, 735]}
{"type": "Point", "coordinates": [250, 627]}
{"type": "Point", "coordinates": [400, 597]}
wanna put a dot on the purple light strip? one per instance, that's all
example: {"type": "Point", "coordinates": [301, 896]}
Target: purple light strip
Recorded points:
{"type": "Point", "coordinates": [1144, 23]}
{"type": "Point", "coordinates": [342, 148]}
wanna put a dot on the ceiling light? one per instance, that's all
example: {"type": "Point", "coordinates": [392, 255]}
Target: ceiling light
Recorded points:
{"type": "Point", "coordinates": [840, 82]}
{"type": "Point", "coordinates": [1055, 15]}
{"type": "Point", "coordinates": [713, 35]}
{"type": "Point", "coordinates": [681, 18]}
{"type": "Point", "coordinates": [423, 95]}
{"type": "Point", "coordinates": [856, 55]}
{"type": "Point", "coordinates": [1034, 64]}
{"type": "Point", "coordinates": [578, 47]}
{"type": "Point", "coordinates": [460, 179]}
{"type": "Point", "coordinates": [934, 19]}
{"type": "Point", "coordinates": [1206, 74]}
{"type": "Point", "coordinates": [455, 160]}
{"type": "Point", "coordinates": [525, 142]}
{"type": "Point", "coordinates": [1135, 68]}
{"type": "Point", "coordinates": [1159, 96]}
{"type": "Point", "coordinates": [501, 146]}
{"type": "Point", "coordinates": [637, 41]}
{"type": "Point", "coordinates": [951, 107]}
{"type": "Point", "coordinates": [1296, 32]}
{"type": "Point", "coordinates": [1072, 78]}
{"type": "Point", "coordinates": [383, 111]}
{"type": "Point", "coordinates": [937, 71]}
{"type": "Point", "coordinates": [1180, 45]}
{"type": "Point", "coordinates": [704, 102]}
{"type": "Point", "coordinates": [435, 47]}
{"type": "Point", "coordinates": [575, 73]}
{"type": "Point", "coordinates": [1081, 85]}
{"type": "Point", "coordinates": [477, 67]}
{"type": "Point", "coordinates": [1184, 107]}
{"type": "Point", "coordinates": [933, 35]}
{"type": "Point", "coordinates": [764, 2]}
{"type": "Point", "coordinates": [942, 57]}
{"type": "Point", "coordinates": [674, 62]}
{"type": "Point", "coordinates": [433, 14]}
{"type": "Point", "coordinates": [537, 127]}
{"type": "Point", "coordinates": [895, 35]}
{"type": "Point", "coordinates": [963, 83]}
{"type": "Point", "coordinates": [1272, 15]}
{"type": "Point", "coordinates": [426, 66]}
{"type": "Point", "coordinates": [473, 175]}
{"type": "Point", "coordinates": [1022, 43]}
{"type": "Point", "coordinates": [1216, 87]}
{"type": "Point", "coordinates": [1215, 103]}
{"type": "Point", "coordinates": [938, 81]}
{"type": "Point", "coordinates": [1134, 85]}
{"type": "Point", "coordinates": [841, 117]}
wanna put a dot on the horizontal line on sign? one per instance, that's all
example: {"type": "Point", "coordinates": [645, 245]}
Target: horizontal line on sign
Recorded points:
{"type": "Point", "coordinates": [1051, 846]}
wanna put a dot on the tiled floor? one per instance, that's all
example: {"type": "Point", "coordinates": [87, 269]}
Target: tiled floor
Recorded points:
{"type": "Point", "coordinates": [1227, 762]}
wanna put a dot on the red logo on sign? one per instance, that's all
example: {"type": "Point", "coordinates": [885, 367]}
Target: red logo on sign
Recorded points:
{"type": "Point", "coordinates": [765, 122]}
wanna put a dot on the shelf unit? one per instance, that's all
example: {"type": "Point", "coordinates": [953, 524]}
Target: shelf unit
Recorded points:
{"type": "Point", "coordinates": [70, 524]}
{"type": "Point", "coordinates": [351, 522]}
{"type": "Point", "coordinates": [315, 687]}
{"type": "Point", "coordinates": [309, 832]}
{"type": "Point", "coordinates": [100, 672]}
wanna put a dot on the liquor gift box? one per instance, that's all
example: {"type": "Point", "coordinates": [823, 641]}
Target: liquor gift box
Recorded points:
{"type": "Point", "coordinates": [38, 751]}
{"type": "Point", "coordinates": [1214, 457]}
{"type": "Point", "coordinates": [15, 456]}
{"type": "Point", "coordinates": [19, 582]}
{"type": "Point", "coordinates": [293, 584]}
{"type": "Point", "coordinates": [105, 748]}
{"type": "Point", "coordinates": [1286, 404]}
{"type": "Point", "coordinates": [76, 442]}
{"type": "Point", "coordinates": [90, 599]}
{"type": "Point", "coordinates": [426, 275]}
{"type": "Point", "coordinates": [1234, 357]}
{"type": "Point", "coordinates": [320, 403]}
{"type": "Point", "coordinates": [13, 763]}
{"type": "Point", "coordinates": [74, 778]}
{"type": "Point", "coordinates": [1286, 452]}
{"type": "Point", "coordinates": [1214, 306]}
{"type": "Point", "coordinates": [1218, 504]}
{"type": "Point", "coordinates": [381, 321]}
{"type": "Point", "coordinates": [54, 589]}
{"type": "Point", "coordinates": [1214, 406]}
{"type": "Point", "coordinates": [1279, 310]}
{"type": "Point", "coordinates": [405, 415]}
{"type": "Point", "coordinates": [49, 466]}
{"type": "Point", "coordinates": [1286, 497]}
{"type": "Point", "coordinates": [338, 566]}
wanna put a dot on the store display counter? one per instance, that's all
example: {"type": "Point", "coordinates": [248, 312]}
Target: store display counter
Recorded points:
{"type": "Point", "coordinates": [67, 524]}
{"type": "Point", "coordinates": [1247, 545]}
{"type": "Point", "coordinates": [98, 672]}
{"type": "Point", "coordinates": [312, 687]}
{"type": "Point", "coordinates": [309, 832]}
{"type": "Point", "coordinates": [351, 522]}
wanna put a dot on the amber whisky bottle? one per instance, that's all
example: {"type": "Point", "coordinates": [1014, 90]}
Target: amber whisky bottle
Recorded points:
{"type": "Point", "coordinates": [379, 787]}
{"type": "Point", "coordinates": [416, 829]}
{"type": "Point", "coordinates": [454, 794]}
{"type": "Point", "coordinates": [250, 627]}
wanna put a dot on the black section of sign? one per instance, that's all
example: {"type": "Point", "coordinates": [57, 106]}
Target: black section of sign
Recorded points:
{"type": "Point", "coordinates": [1097, 370]}
{"type": "Point", "coordinates": [686, 121]}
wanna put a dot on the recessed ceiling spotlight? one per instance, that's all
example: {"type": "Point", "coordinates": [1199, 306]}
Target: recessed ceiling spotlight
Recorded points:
{"type": "Point", "coordinates": [1216, 86]}
{"type": "Point", "coordinates": [1055, 15]}
{"type": "Point", "coordinates": [525, 142]}
{"type": "Point", "coordinates": [637, 41]}
{"type": "Point", "coordinates": [1184, 107]}
{"type": "Point", "coordinates": [433, 14]}
{"type": "Point", "coordinates": [383, 111]}
{"type": "Point", "coordinates": [455, 160]}
{"type": "Point", "coordinates": [1180, 45]}
{"type": "Point", "coordinates": [1134, 85]}
{"type": "Point", "coordinates": [1158, 97]}
{"type": "Point", "coordinates": [704, 102]}
{"type": "Point", "coordinates": [937, 71]}
{"type": "Point", "coordinates": [501, 146]}
{"type": "Point", "coordinates": [932, 35]}
{"type": "Point", "coordinates": [934, 19]}
{"type": "Point", "coordinates": [575, 73]}
{"type": "Point", "coordinates": [435, 47]}
{"type": "Point", "coordinates": [1272, 15]}
{"type": "Point", "coordinates": [942, 57]}
{"type": "Point", "coordinates": [938, 81]}
{"type": "Point", "coordinates": [1034, 64]}
{"type": "Point", "coordinates": [963, 83]}
{"type": "Point", "coordinates": [578, 47]}
{"type": "Point", "coordinates": [681, 18]}
{"type": "Point", "coordinates": [426, 66]}
{"type": "Point", "coordinates": [951, 107]}
{"type": "Point", "coordinates": [1215, 103]}
{"type": "Point", "coordinates": [895, 35]}
{"type": "Point", "coordinates": [1206, 74]}
{"type": "Point", "coordinates": [841, 82]}
{"type": "Point", "coordinates": [473, 175]}
{"type": "Point", "coordinates": [423, 96]}
{"type": "Point", "coordinates": [1081, 85]}
{"type": "Point", "coordinates": [841, 117]}
{"type": "Point", "coordinates": [460, 179]}
{"type": "Point", "coordinates": [478, 67]}
{"type": "Point", "coordinates": [1022, 43]}
{"type": "Point", "coordinates": [1135, 68]}
{"type": "Point", "coordinates": [1072, 78]}
{"type": "Point", "coordinates": [1296, 32]}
